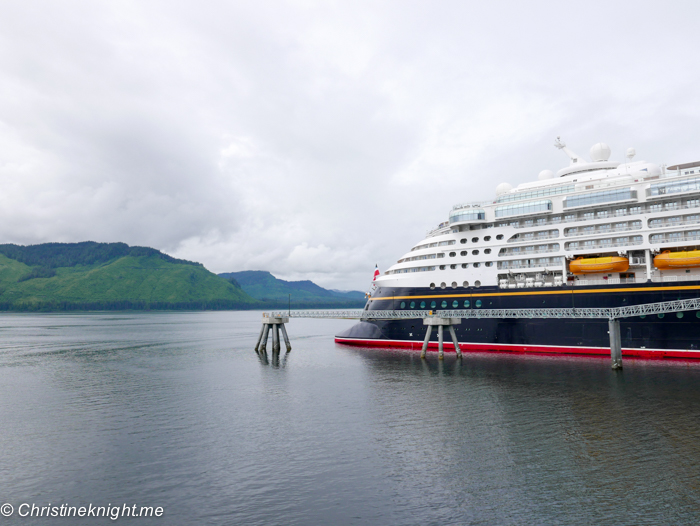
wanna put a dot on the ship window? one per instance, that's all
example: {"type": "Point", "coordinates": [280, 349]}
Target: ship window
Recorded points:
{"type": "Point", "coordinates": [487, 251]}
{"type": "Point", "coordinates": [463, 253]}
{"type": "Point", "coordinates": [442, 267]}
{"type": "Point", "coordinates": [475, 240]}
{"type": "Point", "coordinates": [432, 286]}
{"type": "Point", "coordinates": [588, 215]}
{"type": "Point", "coordinates": [570, 217]}
{"type": "Point", "coordinates": [465, 284]}
{"type": "Point", "coordinates": [453, 267]}
{"type": "Point", "coordinates": [467, 304]}
{"type": "Point", "coordinates": [477, 283]}
{"type": "Point", "coordinates": [443, 285]}
{"type": "Point", "coordinates": [477, 265]}
{"type": "Point", "coordinates": [403, 305]}
{"type": "Point", "coordinates": [463, 241]}
{"type": "Point", "coordinates": [455, 304]}
{"type": "Point", "coordinates": [422, 305]}
{"type": "Point", "coordinates": [487, 238]}
{"type": "Point", "coordinates": [477, 303]}
{"type": "Point", "coordinates": [661, 315]}
{"type": "Point", "coordinates": [532, 207]}
{"type": "Point", "coordinates": [606, 196]}
{"type": "Point", "coordinates": [692, 203]}
{"type": "Point", "coordinates": [475, 252]}
{"type": "Point", "coordinates": [679, 314]}
{"type": "Point", "coordinates": [433, 304]}
{"type": "Point", "coordinates": [467, 215]}
{"type": "Point", "coordinates": [412, 305]}
{"type": "Point", "coordinates": [453, 254]}
{"type": "Point", "coordinates": [443, 304]}
{"type": "Point", "coordinates": [697, 314]}
{"type": "Point", "coordinates": [454, 284]}
{"type": "Point", "coordinates": [635, 209]}
{"type": "Point", "coordinates": [674, 188]}
{"type": "Point", "coordinates": [465, 265]}
{"type": "Point", "coordinates": [489, 264]}
{"type": "Point", "coordinates": [556, 219]}
{"type": "Point", "coordinates": [655, 208]}
{"type": "Point", "coordinates": [621, 212]}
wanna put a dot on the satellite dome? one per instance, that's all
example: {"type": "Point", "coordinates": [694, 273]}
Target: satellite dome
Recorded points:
{"type": "Point", "coordinates": [545, 174]}
{"type": "Point", "coordinates": [600, 152]}
{"type": "Point", "coordinates": [631, 152]}
{"type": "Point", "coordinates": [503, 188]}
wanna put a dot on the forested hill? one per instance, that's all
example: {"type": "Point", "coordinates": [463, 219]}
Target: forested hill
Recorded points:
{"type": "Point", "coordinates": [98, 276]}
{"type": "Point", "coordinates": [263, 286]}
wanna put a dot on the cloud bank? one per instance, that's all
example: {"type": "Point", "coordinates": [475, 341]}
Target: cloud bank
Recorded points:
{"type": "Point", "coordinates": [315, 139]}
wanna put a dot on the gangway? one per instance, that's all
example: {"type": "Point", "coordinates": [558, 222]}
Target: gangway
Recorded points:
{"type": "Point", "coordinates": [432, 318]}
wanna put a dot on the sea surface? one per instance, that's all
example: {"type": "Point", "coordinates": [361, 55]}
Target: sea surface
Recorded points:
{"type": "Point", "coordinates": [175, 410]}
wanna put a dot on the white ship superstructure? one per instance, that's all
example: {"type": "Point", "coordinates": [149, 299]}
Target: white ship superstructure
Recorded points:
{"type": "Point", "coordinates": [596, 222]}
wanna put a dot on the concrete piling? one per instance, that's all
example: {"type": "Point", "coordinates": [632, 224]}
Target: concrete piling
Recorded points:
{"type": "Point", "coordinates": [615, 343]}
{"type": "Point", "coordinates": [286, 338]}
{"type": "Point", "coordinates": [441, 323]}
{"type": "Point", "coordinates": [455, 342]}
{"type": "Point", "coordinates": [273, 324]}
{"type": "Point", "coordinates": [426, 341]}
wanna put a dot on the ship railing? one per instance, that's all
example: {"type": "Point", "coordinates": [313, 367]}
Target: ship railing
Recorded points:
{"type": "Point", "coordinates": [569, 247]}
{"type": "Point", "coordinates": [531, 239]}
{"type": "Point", "coordinates": [601, 232]}
{"type": "Point", "coordinates": [667, 223]}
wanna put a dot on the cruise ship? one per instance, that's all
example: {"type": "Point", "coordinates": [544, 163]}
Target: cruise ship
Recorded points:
{"type": "Point", "coordinates": [598, 233]}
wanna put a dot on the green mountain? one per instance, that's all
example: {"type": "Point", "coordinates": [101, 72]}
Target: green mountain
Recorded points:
{"type": "Point", "coordinates": [97, 276]}
{"type": "Point", "coordinates": [263, 286]}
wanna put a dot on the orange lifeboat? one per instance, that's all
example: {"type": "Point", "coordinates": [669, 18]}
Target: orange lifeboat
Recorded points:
{"type": "Point", "coordinates": [670, 260]}
{"type": "Point", "coordinates": [595, 265]}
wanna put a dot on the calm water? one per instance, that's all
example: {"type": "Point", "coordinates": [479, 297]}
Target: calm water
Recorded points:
{"type": "Point", "coordinates": [175, 410]}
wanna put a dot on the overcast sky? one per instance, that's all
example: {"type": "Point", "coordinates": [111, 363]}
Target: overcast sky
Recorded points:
{"type": "Point", "coordinates": [315, 139]}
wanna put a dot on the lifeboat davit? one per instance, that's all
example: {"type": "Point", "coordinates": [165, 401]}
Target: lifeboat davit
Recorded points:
{"type": "Point", "coordinates": [596, 265]}
{"type": "Point", "coordinates": [668, 259]}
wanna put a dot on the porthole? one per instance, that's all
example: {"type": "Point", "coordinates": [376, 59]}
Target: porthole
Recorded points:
{"type": "Point", "coordinates": [477, 303]}
{"type": "Point", "coordinates": [422, 305]}
{"type": "Point", "coordinates": [454, 284]}
{"type": "Point", "coordinates": [443, 285]}
{"type": "Point", "coordinates": [432, 286]}
{"type": "Point", "coordinates": [644, 316]}
{"type": "Point", "coordinates": [403, 305]}
{"type": "Point", "coordinates": [487, 251]}
{"type": "Point", "coordinates": [465, 265]}
{"type": "Point", "coordinates": [477, 283]}
{"type": "Point", "coordinates": [488, 264]}
{"type": "Point", "coordinates": [697, 314]}
{"type": "Point", "coordinates": [453, 267]}
{"type": "Point", "coordinates": [433, 304]}
{"type": "Point", "coordinates": [477, 265]}
{"type": "Point", "coordinates": [443, 267]}
{"type": "Point", "coordinates": [463, 241]}
{"type": "Point", "coordinates": [475, 252]}
{"type": "Point", "coordinates": [444, 304]}
{"type": "Point", "coordinates": [679, 314]}
{"type": "Point", "coordinates": [466, 304]}
{"type": "Point", "coordinates": [453, 254]}
{"type": "Point", "coordinates": [455, 304]}
{"type": "Point", "coordinates": [475, 240]}
{"type": "Point", "coordinates": [661, 315]}
{"type": "Point", "coordinates": [487, 238]}
{"type": "Point", "coordinates": [499, 236]}
{"type": "Point", "coordinates": [412, 305]}
{"type": "Point", "coordinates": [463, 253]}
{"type": "Point", "coordinates": [466, 284]}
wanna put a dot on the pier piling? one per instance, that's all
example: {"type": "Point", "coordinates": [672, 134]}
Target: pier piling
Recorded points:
{"type": "Point", "coordinates": [273, 324]}
{"type": "Point", "coordinates": [426, 341]}
{"type": "Point", "coordinates": [615, 343]}
{"type": "Point", "coordinates": [441, 323]}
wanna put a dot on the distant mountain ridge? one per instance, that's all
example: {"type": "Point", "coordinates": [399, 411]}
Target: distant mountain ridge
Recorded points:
{"type": "Point", "coordinates": [263, 286]}
{"type": "Point", "coordinates": [109, 276]}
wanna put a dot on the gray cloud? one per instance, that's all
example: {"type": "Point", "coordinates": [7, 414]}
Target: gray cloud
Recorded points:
{"type": "Point", "coordinates": [316, 139]}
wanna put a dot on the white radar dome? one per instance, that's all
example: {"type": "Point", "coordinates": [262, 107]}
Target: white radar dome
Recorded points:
{"type": "Point", "coordinates": [631, 152]}
{"type": "Point", "coordinates": [545, 174]}
{"type": "Point", "coordinates": [600, 152]}
{"type": "Point", "coordinates": [503, 188]}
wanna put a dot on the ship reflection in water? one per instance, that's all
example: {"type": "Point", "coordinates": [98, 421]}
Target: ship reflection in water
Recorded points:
{"type": "Point", "coordinates": [176, 410]}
